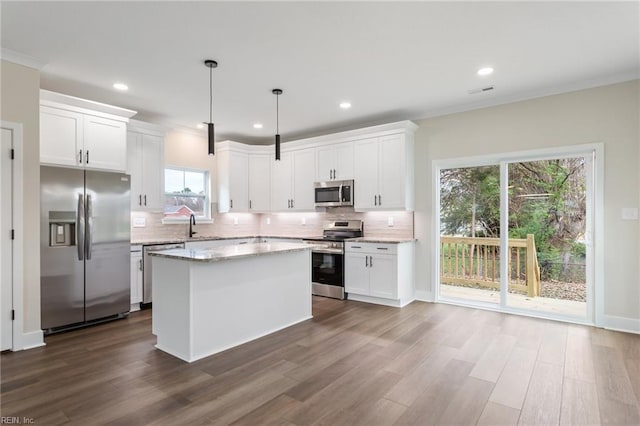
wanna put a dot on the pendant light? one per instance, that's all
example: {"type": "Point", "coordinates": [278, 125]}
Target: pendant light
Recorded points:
{"type": "Point", "coordinates": [211, 64]}
{"type": "Point", "coordinates": [277, 92]}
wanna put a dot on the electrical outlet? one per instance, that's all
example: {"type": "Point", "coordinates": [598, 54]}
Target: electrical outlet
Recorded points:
{"type": "Point", "coordinates": [390, 221]}
{"type": "Point", "coordinates": [235, 221]}
{"type": "Point", "coordinates": [303, 221]}
{"type": "Point", "coordinates": [139, 222]}
{"type": "Point", "coordinates": [268, 221]}
{"type": "Point", "coordinates": [629, 213]}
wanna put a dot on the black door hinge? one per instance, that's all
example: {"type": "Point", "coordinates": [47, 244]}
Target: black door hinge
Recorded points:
{"type": "Point", "coordinates": [13, 315]}
{"type": "Point", "coordinates": [13, 153]}
{"type": "Point", "coordinates": [13, 234]}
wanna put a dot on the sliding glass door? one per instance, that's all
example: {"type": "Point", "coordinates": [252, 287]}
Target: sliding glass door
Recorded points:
{"type": "Point", "coordinates": [547, 205]}
{"type": "Point", "coordinates": [515, 233]}
{"type": "Point", "coordinates": [470, 234]}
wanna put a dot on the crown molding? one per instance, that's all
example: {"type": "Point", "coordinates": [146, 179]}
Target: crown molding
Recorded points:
{"type": "Point", "coordinates": [22, 59]}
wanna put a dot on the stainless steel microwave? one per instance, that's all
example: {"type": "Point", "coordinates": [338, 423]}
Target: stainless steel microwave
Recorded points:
{"type": "Point", "coordinates": [333, 193]}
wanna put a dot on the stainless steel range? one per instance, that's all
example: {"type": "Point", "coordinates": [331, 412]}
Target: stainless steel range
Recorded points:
{"type": "Point", "coordinates": [327, 258]}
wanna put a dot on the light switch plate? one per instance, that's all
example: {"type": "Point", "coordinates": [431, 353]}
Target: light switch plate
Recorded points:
{"type": "Point", "coordinates": [139, 222]}
{"type": "Point", "coordinates": [629, 213]}
{"type": "Point", "coordinates": [303, 221]}
{"type": "Point", "coordinates": [235, 220]}
{"type": "Point", "coordinates": [390, 221]}
{"type": "Point", "coordinates": [268, 221]}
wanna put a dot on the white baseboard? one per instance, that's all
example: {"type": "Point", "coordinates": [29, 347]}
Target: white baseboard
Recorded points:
{"type": "Point", "coordinates": [424, 296]}
{"type": "Point", "coordinates": [628, 325]}
{"type": "Point", "coordinates": [33, 339]}
{"type": "Point", "coordinates": [380, 301]}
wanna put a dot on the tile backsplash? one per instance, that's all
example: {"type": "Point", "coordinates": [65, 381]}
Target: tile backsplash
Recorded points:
{"type": "Point", "coordinates": [391, 224]}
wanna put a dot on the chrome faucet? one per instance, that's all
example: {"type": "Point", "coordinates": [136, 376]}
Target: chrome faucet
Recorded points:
{"type": "Point", "coordinates": [192, 222]}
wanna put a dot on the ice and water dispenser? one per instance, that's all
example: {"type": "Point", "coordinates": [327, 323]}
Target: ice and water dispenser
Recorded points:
{"type": "Point", "coordinates": [62, 228]}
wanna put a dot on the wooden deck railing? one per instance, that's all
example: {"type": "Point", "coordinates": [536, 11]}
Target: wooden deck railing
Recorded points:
{"type": "Point", "coordinates": [476, 261]}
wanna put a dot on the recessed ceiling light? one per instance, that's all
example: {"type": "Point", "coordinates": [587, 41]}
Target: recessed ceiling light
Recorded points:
{"type": "Point", "coordinates": [257, 125]}
{"type": "Point", "coordinates": [200, 126]}
{"type": "Point", "coordinates": [345, 105]}
{"type": "Point", "coordinates": [120, 86]}
{"type": "Point", "coordinates": [485, 71]}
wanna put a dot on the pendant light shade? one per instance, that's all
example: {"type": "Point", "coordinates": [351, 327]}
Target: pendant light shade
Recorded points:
{"type": "Point", "coordinates": [211, 64]}
{"type": "Point", "coordinates": [277, 92]}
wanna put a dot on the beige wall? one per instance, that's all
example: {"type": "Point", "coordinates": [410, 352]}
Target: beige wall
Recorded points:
{"type": "Point", "coordinates": [20, 104]}
{"type": "Point", "coordinates": [606, 114]}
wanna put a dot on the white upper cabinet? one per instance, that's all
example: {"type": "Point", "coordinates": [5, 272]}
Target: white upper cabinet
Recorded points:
{"type": "Point", "coordinates": [145, 164]}
{"type": "Point", "coordinates": [61, 137]}
{"type": "Point", "coordinates": [304, 173]}
{"type": "Point", "coordinates": [335, 161]}
{"type": "Point", "coordinates": [79, 133]}
{"type": "Point", "coordinates": [281, 172]}
{"type": "Point", "coordinates": [379, 159]}
{"type": "Point", "coordinates": [233, 180]}
{"type": "Point", "coordinates": [244, 177]}
{"type": "Point", "coordinates": [292, 181]}
{"type": "Point", "coordinates": [384, 173]}
{"type": "Point", "coordinates": [260, 182]}
{"type": "Point", "coordinates": [366, 174]}
{"type": "Point", "coordinates": [105, 143]}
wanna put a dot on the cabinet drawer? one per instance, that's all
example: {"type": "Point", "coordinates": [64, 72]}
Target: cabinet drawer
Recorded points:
{"type": "Point", "coordinates": [372, 248]}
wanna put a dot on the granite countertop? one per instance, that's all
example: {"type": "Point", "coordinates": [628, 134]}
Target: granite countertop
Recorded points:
{"type": "Point", "coordinates": [149, 242]}
{"type": "Point", "coordinates": [215, 254]}
{"type": "Point", "coordinates": [381, 240]}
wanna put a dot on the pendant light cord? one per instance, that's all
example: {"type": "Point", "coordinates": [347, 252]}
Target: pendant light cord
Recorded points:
{"type": "Point", "coordinates": [277, 114]}
{"type": "Point", "coordinates": [210, 94]}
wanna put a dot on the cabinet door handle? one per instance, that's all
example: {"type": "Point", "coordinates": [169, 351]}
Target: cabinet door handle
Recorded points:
{"type": "Point", "coordinates": [371, 261]}
{"type": "Point", "coordinates": [366, 261]}
{"type": "Point", "coordinates": [379, 200]}
{"type": "Point", "coordinates": [140, 264]}
{"type": "Point", "coordinates": [334, 173]}
{"type": "Point", "coordinates": [231, 206]}
{"type": "Point", "coordinates": [356, 246]}
{"type": "Point", "coordinates": [382, 248]}
{"type": "Point", "coordinates": [80, 157]}
{"type": "Point", "coordinates": [375, 200]}
{"type": "Point", "coordinates": [145, 199]}
{"type": "Point", "coordinates": [288, 204]}
{"type": "Point", "coordinates": [292, 203]}
{"type": "Point", "coordinates": [87, 157]}
{"type": "Point", "coordinates": [249, 203]}
{"type": "Point", "coordinates": [140, 199]}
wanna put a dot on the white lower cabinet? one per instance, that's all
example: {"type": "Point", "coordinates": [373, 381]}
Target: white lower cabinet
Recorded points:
{"type": "Point", "coordinates": [379, 273]}
{"type": "Point", "coordinates": [136, 277]}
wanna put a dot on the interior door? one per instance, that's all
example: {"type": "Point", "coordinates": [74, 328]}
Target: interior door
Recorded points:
{"type": "Point", "coordinates": [6, 252]}
{"type": "Point", "coordinates": [107, 266]}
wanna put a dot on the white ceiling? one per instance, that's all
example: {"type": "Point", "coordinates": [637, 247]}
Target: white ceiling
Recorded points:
{"type": "Point", "coordinates": [392, 60]}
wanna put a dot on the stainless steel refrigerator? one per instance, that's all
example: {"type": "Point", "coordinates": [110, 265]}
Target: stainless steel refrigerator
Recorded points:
{"type": "Point", "coordinates": [84, 246]}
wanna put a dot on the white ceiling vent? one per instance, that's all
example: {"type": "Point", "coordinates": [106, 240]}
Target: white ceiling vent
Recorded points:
{"type": "Point", "coordinates": [480, 90]}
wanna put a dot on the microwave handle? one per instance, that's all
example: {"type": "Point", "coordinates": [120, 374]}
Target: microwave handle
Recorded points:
{"type": "Point", "coordinates": [340, 193]}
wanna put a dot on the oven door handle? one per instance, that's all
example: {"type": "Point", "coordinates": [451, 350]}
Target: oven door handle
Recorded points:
{"type": "Point", "coordinates": [327, 251]}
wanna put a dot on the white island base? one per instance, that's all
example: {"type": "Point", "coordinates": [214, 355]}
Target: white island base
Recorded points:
{"type": "Point", "coordinates": [201, 307]}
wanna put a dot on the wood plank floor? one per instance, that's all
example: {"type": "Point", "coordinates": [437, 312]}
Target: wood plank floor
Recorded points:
{"type": "Point", "coordinates": [354, 363]}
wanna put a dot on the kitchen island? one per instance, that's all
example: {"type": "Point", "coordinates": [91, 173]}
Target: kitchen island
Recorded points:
{"type": "Point", "coordinates": [212, 299]}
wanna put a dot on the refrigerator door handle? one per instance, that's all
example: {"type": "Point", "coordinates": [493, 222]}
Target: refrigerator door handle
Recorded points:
{"type": "Point", "coordinates": [89, 230]}
{"type": "Point", "coordinates": [80, 227]}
